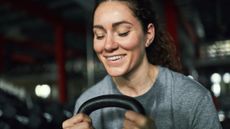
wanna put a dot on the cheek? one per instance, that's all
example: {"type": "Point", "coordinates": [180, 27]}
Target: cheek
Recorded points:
{"type": "Point", "coordinates": [98, 47]}
{"type": "Point", "coordinates": [133, 43]}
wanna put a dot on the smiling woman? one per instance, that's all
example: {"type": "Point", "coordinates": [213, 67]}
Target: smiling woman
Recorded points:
{"type": "Point", "coordinates": [141, 63]}
{"type": "Point", "coordinates": [121, 44]}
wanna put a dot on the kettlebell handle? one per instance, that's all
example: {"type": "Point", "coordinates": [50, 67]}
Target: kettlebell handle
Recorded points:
{"type": "Point", "coordinates": [103, 101]}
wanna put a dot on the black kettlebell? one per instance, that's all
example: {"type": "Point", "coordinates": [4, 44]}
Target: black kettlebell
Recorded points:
{"type": "Point", "coordinates": [103, 101]}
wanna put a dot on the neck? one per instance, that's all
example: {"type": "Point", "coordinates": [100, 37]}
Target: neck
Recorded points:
{"type": "Point", "coordinates": [137, 82]}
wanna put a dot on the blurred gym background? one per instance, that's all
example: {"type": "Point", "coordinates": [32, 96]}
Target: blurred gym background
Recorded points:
{"type": "Point", "coordinates": [46, 56]}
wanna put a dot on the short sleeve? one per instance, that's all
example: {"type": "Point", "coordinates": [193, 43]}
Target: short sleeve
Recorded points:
{"type": "Point", "coordinates": [205, 115]}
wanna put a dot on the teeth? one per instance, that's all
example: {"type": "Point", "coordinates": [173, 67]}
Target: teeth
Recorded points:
{"type": "Point", "coordinates": [113, 58]}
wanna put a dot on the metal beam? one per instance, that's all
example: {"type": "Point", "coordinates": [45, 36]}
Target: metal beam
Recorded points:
{"type": "Point", "coordinates": [23, 58]}
{"type": "Point", "coordinates": [60, 61]}
{"type": "Point", "coordinates": [42, 47]}
{"type": "Point", "coordinates": [40, 11]}
{"type": "Point", "coordinates": [2, 54]}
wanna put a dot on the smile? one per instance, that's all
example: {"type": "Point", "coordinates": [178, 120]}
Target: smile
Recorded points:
{"type": "Point", "coordinates": [114, 58]}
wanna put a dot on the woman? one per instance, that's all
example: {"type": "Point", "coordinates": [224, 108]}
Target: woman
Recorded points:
{"type": "Point", "coordinates": [141, 63]}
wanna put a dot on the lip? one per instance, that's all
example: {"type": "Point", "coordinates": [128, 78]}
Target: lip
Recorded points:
{"type": "Point", "coordinates": [115, 60]}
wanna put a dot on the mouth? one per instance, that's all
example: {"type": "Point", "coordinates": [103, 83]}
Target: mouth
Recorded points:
{"type": "Point", "coordinates": [115, 58]}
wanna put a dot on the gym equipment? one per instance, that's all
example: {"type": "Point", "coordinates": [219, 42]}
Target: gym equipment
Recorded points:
{"type": "Point", "coordinates": [103, 101]}
{"type": "Point", "coordinates": [41, 114]}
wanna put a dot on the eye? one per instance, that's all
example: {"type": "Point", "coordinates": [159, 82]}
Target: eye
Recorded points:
{"type": "Point", "coordinates": [99, 36]}
{"type": "Point", "coordinates": [123, 34]}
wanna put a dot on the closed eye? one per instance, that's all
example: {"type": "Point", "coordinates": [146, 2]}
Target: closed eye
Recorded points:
{"type": "Point", "coordinates": [100, 37]}
{"type": "Point", "coordinates": [123, 34]}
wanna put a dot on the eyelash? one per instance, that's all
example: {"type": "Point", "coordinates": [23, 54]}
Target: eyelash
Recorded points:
{"type": "Point", "coordinates": [123, 34]}
{"type": "Point", "coordinates": [99, 37]}
{"type": "Point", "coordinates": [119, 34]}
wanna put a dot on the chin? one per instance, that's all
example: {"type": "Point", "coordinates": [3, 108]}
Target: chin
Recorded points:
{"type": "Point", "coordinates": [115, 73]}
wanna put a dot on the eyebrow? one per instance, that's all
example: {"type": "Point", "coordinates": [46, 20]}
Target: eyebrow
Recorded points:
{"type": "Point", "coordinates": [114, 25]}
{"type": "Point", "coordinates": [99, 27]}
{"type": "Point", "coordinates": [119, 23]}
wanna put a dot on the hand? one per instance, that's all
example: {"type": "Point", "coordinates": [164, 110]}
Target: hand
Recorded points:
{"type": "Point", "coordinates": [79, 121]}
{"type": "Point", "coordinates": [135, 120]}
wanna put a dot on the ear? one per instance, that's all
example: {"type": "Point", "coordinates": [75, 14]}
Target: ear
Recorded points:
{"type": "Point", "coordinates": [150, 34]}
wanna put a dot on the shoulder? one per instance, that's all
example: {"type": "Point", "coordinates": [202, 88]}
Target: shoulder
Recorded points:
{"type": "Point", "coordinates": [100, 88]}
{"type": "Point", "coordinates": [181, 84]}
{"type": "Point", "coordinates": [187, 94]}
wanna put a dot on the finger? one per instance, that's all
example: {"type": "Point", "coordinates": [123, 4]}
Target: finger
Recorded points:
{"type": "Point", "coordinates": [76, 119]}
{"type": "Point", "coordinates": [136, 117]}
{"type": "Point", "coordinates": [129, 124]}
{"type": "Point", "coordinates": [84, 125]}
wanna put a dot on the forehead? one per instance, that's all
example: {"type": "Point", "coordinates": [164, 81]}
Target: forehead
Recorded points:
{"type": "Point", "coordinates": [113, 11]}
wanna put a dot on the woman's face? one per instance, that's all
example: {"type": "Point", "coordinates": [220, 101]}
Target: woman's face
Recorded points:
{"type": "Point", "coordinates": [119, 40]}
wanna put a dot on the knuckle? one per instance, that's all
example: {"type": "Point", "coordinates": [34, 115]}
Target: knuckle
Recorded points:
{"type": "Point", "coordinates": [87, 125]}
{"type": "Point", "coordinates": [81, 115]}
{"type": "Point", "coordinates": [143, 122]}
{"type": "Point", "coordinates": [64, 124]}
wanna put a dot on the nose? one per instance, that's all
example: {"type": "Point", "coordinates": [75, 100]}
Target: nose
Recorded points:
{"type": "Point", "coordinates": [110, 43]}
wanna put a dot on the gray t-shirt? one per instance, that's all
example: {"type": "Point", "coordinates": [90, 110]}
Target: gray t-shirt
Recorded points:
{"type": "Point", "coordinates": [174, 102]}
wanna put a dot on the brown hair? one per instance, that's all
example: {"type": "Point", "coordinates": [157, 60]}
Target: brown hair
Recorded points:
{"type": "Point", "coordinates": [162, 51]}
